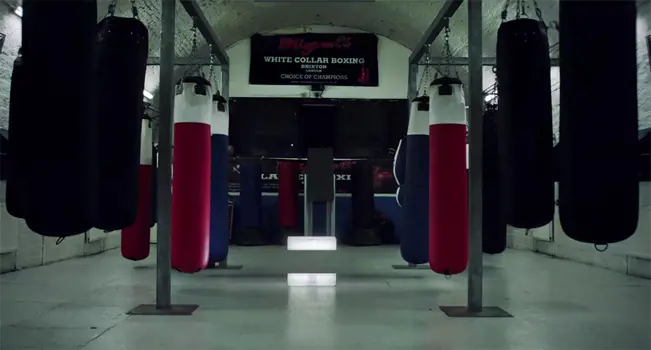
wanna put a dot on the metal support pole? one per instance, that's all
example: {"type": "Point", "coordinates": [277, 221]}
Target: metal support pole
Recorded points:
{"type": "Point", "coordinates": [412, 84]}
{"type": "Point", "coordinates": [475, 190]}
{"type": "Point", "coordinates": [475, 307]}
{"type": "Point", "coordinates": [163, 304]}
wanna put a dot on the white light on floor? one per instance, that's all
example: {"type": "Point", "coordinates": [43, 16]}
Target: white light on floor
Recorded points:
{"type": "Point", "coordinates": [311, 243]}
{"type": "Point", "coordinates": [312, 279]}
{"type": "Point", "coordinates": [147, 94]}
{"type": "Point", "coordinates": [19, 11]}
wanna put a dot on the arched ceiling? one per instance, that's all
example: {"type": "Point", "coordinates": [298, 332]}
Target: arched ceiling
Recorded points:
{"type": "Point", "coordinates": [403, 21]}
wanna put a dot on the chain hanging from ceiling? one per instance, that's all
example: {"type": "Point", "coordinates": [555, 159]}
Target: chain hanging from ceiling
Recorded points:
{"type": "Point", "coordinates": [446, 67]}
{"type": "Point", "coordinates": [521, 7]}
{"type": "Point", "coordinates": [426, 76]}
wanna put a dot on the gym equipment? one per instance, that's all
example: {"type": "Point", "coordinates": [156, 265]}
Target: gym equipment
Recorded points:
{"type": "Point", "coordinates": [191, 175]}
{"type": "Point", "coordinates": [414, 235]}
{"type": "Point", "coordinates": [365, 232]}
{"type": "Point", "coordinates": [524, 123]}
{"type": "Point", "coordinates": [288, 197]}
{"type": "Point", "coordinates": [18, 143]}
{"type": "Point", "coordinates": [219, 231]}
{"type": "Point", "coordinates": [319, 188]}
{"type": "Point", "coordinates": [250, 208]}
{"type": "Point", "coordinates": [448, 185]}
{"type": "Point", "coordinates": [58, 39]}
{"type": "Point", "coordinates": [598, 187]}
{"type": "Point", "coordinates": [119, 77]}
{"type": "Point", "coordinates": [493, 222]}
{"type": "Point", "coordinates": [400, 197]}
{"type": "Point", "coordinates": [399, 162]}
{"type": "Point", "coordinates": [136, 237]}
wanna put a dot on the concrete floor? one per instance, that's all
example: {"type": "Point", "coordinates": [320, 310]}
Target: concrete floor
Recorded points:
{"type": "Point", "coordinates": [557, 305]}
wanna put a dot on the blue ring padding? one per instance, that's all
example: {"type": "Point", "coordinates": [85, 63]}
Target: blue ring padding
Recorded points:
{"type": "Point", "coordinates": [414, 241]}
{"type": "Point", "coordinates": [218, 198]}
{"type": "Point", "coordinates": [250, 195]}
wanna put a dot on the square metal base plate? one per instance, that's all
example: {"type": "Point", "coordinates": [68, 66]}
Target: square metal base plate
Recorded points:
{"type": "Point", "coordinates": [411, 267]}
{"type": "Point", "coordinates": [174, 310]}
{"type": "Point", "coordinates": [486, 312]}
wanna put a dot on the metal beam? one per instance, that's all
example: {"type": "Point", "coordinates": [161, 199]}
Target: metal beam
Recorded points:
{"type": "Point", "coordinates": [464, 61]}
{"type": "Point", "coordinates": [183, 61]}
{"type": "Point", "coordinates": [447, 11]}
{"type": "Point", "coordinates": [203, 26]}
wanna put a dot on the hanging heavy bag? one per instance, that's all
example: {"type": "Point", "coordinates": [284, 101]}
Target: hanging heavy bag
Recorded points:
{"type": "Point", "coordinates": [448, 184]}
{"type": "Point", "coordinates": [135, 238]}
{"type": "Point", "coordinates": [598, 187]}
{"type": "Point", "coordinates": [493, 223]}
{"type": "Point", "coordinates": [121, 62]}
{"type": "Point", "coordinates": [18, 147]}
{"type": "Point", "coordinates": [191, 175]}
{"type": "Point", "coordinates": [415, 205]}
{"type": "Point", "coordinates": [219, 180]}
{"type": "Point", "coordinates": [58, 40]}
{"type": "Point", "coordinates": [524, 123]}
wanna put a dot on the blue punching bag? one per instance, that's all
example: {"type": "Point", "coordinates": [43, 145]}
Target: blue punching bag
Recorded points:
{"type": "Point", "coordinates": [414, 239]}
{"type": "Point", "coordinates": [19, 128]}
{"type": "Point", "coordinates": [250, 209]}
{"type": "Point", "coordinates": [120, 65]}
{"type": "Point", "coordinates": [598, 190]}
{"type": "Point", "coordinates": [58, 39]}
{"type": "Point", "coordinates": [219, 181]}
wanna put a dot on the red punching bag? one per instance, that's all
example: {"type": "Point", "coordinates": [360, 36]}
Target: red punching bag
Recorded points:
{"type": "Point", "coordinates": [448, 186]}
{"type": "Point", "coordinates": [191, 175]}
{"type": "Point", "coordinates": [135, 238]}
{"type": "Point", "coordinates": [288, 196]}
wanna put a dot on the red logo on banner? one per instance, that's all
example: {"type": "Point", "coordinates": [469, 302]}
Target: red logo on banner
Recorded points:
{"type": "Point", "coordinates": [307, 47]}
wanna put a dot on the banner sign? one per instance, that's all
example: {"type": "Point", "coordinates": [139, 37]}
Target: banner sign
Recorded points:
{"type": "Point", "coordinates": [383, 181]}
{"type": "Point", "coordinates": [305, 59]}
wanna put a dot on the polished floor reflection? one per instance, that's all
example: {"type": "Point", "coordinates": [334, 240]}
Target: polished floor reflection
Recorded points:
{"type": "Point", "coordinates": [556, 304]}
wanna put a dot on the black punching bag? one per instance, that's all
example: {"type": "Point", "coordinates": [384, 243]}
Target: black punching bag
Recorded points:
{"type": "Point", "coordinates": [598, 187]}
{"type": "Point", "coordinates": [120, 65]}
{"type": "Point", "coordinates": [493, 223]}
{"type": "Point", "coordinates": [524, 123]}
{"type": "Point", "coordinates": [18, 143]}
{"type": "Point", "coordinates": [57, 42]}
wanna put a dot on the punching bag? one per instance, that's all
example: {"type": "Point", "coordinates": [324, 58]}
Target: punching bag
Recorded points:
{"type": "Point", "coordinates": [58, 40]}
{"type": "Point", "coordinates": [120, 64]}
{"type": "Point", "coordinates": [250, 209]}
{"type": "Point", "coordinates": [288, 197]}
{"type": "Point", "coordinates": [219, 237]}
{"type": "Point", "coordinates": [598, 187]}
{"type": "Point", "coordinates": [191, 175]}
{"type": "Point", "coordinates": [135, 238]}
{"type": "Point", "coordinates": [414, 236]}
{"type": "Point", "coordinates": [362, 199]}
{"type": "Point", "coordinates": [524, 123]}
{"type": "Point", "coordinates": [493, 223]}
{"type": "Point", "coordinates": [448, 184]}
{"type": "Point", "coordinates": [17, 184]}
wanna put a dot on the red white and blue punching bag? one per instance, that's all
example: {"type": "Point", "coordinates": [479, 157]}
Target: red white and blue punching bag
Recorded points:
{"type": "Point", "coordinates": [448, 185]}
{"type": "Point", "coordinates": [135, 238]}
{"type": "Point", "coordinates": [413, 239]}
{"type": "Point", "coordinates": [191, 175]}
{"type": "Point", "coordinates": [219, 229]}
